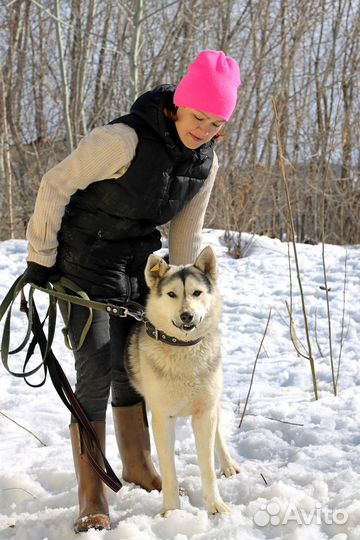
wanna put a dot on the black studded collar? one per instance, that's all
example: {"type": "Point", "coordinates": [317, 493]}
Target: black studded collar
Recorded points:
{"type": "Point", "coordinates": [159, 335]}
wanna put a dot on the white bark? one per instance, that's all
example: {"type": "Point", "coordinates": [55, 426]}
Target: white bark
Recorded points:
{"type": "Point", "coordinates": [65, 93]}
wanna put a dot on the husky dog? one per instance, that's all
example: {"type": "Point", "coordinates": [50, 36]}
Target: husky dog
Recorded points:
{"type": "Point", "coordinates": [174, 362]}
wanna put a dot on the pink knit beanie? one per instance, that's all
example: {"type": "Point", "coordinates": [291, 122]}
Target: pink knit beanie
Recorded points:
{"type": "Point", "coordinates": [210, 84]}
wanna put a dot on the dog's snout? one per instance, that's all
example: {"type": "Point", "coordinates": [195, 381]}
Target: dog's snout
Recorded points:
{"type": "Point", "coordinates": [186, 317]}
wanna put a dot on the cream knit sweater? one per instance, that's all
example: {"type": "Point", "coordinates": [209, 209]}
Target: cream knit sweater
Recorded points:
{"type": "Point", "coordinates": [106, 152]}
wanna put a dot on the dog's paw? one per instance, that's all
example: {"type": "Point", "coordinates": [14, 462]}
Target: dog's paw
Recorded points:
{"type": "Point", "coordinates": [230, 469]}
{"type": "Point", "coordinates": [166, 512]}
{"type": "Point", "coordinates": [218, 507]}
{"type": "Point", "coordinates": [170, 503]}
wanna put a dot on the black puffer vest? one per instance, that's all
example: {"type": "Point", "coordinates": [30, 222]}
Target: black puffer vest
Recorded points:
{"type": "Point", "coordinates": [109, 229]}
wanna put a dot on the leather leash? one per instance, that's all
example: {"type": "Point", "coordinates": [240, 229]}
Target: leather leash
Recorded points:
{"type": "Point", "coordinates": [51, 364]}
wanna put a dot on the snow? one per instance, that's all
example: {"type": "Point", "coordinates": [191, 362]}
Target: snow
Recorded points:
{"type": "Point", "coordinates": [299, 457]}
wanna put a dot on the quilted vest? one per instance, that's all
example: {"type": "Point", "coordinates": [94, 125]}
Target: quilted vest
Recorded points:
{"type": "Point", "coordinates": [109, 228]}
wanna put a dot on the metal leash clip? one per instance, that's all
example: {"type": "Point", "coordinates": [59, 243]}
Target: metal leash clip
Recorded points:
{"type": "Point", "coordinates": [138, 315]}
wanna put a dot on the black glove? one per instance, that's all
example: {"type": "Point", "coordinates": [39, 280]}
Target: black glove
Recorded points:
{"type": "Point", "coordinates": [38, 274]}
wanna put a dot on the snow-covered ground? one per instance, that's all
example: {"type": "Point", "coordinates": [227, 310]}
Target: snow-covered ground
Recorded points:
{"type": "Point", "coordinates": [299, 457]}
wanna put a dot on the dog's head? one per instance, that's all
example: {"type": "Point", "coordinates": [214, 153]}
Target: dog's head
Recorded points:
{"type": "Point", "coordinates": [183, 300]}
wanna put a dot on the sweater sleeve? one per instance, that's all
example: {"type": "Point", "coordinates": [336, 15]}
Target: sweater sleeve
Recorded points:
{"type": "Point", "coordinates": [106, 152]}
{"type": "Point", "coordinates": [186, 227]}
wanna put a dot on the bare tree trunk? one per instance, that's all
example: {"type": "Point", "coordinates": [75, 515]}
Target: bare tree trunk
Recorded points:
{"type": "Point", "coordinates": [5, 158]}
{"type": "Point", "coordinates": [65, 94]}
{"type": "Point", "coordinates": [75, 55]}
{"type": "Point", "coordinates": [37, 72]}
{"type": "Point", "coordinates": [14, 79]}
{"type": "Point", "coordinates": [85, 42]}
{"type": "Point", "coordinates": [135, 50]}
{"type": "Point", "coordinates": [99, 83]}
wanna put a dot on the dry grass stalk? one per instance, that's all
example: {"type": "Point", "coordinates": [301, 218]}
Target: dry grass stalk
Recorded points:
{"type": "Point", "coordinates": [342, 337]}
{"type": "Point", "coordinates": [293, 239]}
{"type": "Point", "coordinates": [22, 427]}
{"type": "Point", "coordinates": [254, 368]}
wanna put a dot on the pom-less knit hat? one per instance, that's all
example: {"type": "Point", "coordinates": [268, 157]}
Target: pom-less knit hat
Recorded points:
{"type": "Point", "coordinates": [210, 84]}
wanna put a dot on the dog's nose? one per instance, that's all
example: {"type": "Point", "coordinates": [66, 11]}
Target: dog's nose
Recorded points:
{"type": "Point", "coordinates": [186, 317]}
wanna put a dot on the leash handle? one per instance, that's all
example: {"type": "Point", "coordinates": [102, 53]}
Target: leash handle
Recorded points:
{"type": "Point", "coordinates": [6, 307]}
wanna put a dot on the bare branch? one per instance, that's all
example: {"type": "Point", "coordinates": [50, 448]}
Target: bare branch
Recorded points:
{"type": "Point", "coordinates": [22, 427]}
{"type": "Point", "coordinates": [253, 371]}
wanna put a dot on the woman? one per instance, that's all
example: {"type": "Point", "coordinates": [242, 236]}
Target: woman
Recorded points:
{"type": "Point", "coordinates": [95, 222]}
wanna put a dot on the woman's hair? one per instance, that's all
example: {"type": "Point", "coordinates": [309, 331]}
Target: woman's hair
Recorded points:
{"type": "Point", "coordinates": [170, 111]}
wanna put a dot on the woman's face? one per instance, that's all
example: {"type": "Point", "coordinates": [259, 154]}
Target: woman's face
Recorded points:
{"type": "Point", "coordinates": [195, 127]}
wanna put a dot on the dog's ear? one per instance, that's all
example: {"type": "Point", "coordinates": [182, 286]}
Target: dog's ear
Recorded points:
{"type": "Point", "coordinates": [206, 262]}
{"type": "Point", "coordinates": [155, 268]}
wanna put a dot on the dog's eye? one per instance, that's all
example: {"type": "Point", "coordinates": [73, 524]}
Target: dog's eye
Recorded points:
{"type": "Point", "coordinates": [197, 293]}
{"type": "Point", "coordinates": [172, 294]}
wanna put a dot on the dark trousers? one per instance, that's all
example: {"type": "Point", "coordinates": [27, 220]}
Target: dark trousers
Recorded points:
{"type": "Point", "coordinates": [99, 363]}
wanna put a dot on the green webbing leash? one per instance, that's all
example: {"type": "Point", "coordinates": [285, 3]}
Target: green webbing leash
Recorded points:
{"type": "Point", "coordinates": [62, 286]}
{"type": "Point", "coordinates": [56, 292]}
{"type": "Point", "coordinates": [6, 306]}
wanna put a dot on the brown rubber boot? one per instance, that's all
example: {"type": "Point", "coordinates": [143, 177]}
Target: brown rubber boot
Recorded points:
{"type": "Point", "coordinates": [132, 436]}
{"type": "Point", "coordinates": [93, 506]}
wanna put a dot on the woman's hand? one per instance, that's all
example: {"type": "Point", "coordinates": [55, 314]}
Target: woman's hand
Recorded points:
{"type": "Point", "coordinates": [39, 274]}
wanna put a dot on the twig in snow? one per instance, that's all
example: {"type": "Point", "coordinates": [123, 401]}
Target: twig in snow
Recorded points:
{"type": "Point", "coordinates": [328, 309]}
{"type": "Point", "coordinates": [22, 489]}
{"type": "Point", "coordinates": [276, 420]}
{"type": "Point", "coordinates": [263, 477]}
{"type": "Point", "coordinates": [342, 337]}
{"type": "Point", "coordinates": [253, 371]}
{"type": "Point", "coordinates": [22, 427]}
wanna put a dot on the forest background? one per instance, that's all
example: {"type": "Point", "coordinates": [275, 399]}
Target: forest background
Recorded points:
{"type": "Point", "coordinates": [70, 65]}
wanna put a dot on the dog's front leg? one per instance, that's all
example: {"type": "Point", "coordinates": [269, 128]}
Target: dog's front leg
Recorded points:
{"type": "Point", "coordinates": [227, 465]}
{"type": "Point", "coordinates": [164, 435]}
{"type": "Point", "coordinates": [204, 426]}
